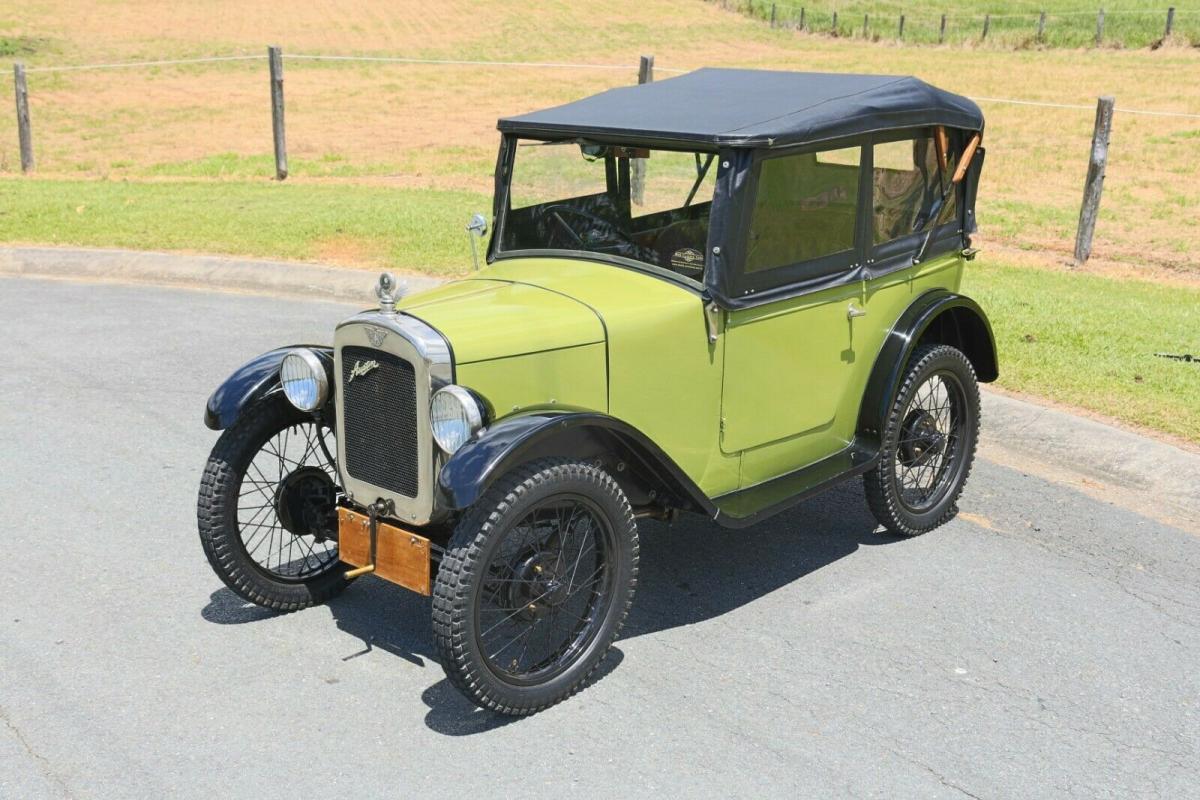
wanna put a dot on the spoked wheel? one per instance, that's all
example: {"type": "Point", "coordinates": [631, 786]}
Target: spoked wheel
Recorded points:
{"type": "Point", "coordinates": [929, 443]}
{"type": "Point", "coordinates": [535, 585]}
{"type": "Point", "coordinates": [268, 508]}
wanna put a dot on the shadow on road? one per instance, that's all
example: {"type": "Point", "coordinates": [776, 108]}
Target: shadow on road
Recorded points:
{"type": "Point", "coordinates": [690, 572]}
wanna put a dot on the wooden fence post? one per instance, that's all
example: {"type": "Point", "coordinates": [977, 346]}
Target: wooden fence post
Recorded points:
{"type": "Point", "coordinates": [865, 26]}
{"type": "Point", "coordinates": [23, 132]}
{"type": "Point", "coordinates": [835, 23]}
{"type": "Point", "coordinates": [942, 31]}
{"type": "Point", "coordinates": [275, 61]}
{"type": "Point", "coordinates": [772, 15]}
{"type": "Point", "coordinates": [1170, 22]}
{"type": "Point", "coordinates": [637, 171]}
{"type": "Point", "coordinates": [1094, 184]}
{"type": "Point", "coordinates": [801, 17]}
{"type": "Point", "coordinates": [987, 23]}
{"type": "Point", "coordinates": [900, 34]}
{"type": "Point", "coordinates": [1041, 27]}
{"type": "Point", "coordinates": [1100, 27]}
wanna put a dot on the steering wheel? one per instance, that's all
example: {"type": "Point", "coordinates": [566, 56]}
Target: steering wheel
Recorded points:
{"type": "Point", "coordinates": [611, 238]}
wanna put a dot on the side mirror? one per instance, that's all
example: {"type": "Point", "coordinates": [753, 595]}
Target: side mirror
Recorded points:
{"type": "Point", "coordinates": [476, 229]}
{"type": "Point", "coordinates": [477, 226]}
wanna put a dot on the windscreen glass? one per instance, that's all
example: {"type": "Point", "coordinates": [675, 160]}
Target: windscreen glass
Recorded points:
{"type": "Point", "coordinates": [650, 206]}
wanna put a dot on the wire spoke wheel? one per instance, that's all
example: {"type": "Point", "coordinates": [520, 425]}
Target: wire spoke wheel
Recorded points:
{"type": "Point", "coordinates": [535, 584]}
{"type": "Point", "coordinates": [287, 503]}
{"type": "Point", "coordinates": [545, 590]}
{"type": "Point", "coordinates": [930, 441]}
{"type": "Point", "coordinates": [267, 510]}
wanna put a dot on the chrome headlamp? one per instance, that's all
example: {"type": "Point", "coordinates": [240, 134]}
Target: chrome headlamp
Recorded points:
{"type": "Point", "coordinates": [305, 382]}
{"type": "Point", "coordinates": [455, 416]}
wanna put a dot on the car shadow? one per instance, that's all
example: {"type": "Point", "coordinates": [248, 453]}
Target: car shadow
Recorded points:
{"type": "Point", "coordinates": [690, 571]}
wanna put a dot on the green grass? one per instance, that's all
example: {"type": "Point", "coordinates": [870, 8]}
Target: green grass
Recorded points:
{"type": "Point", "coordinates": [1090, 341]}
{"type": "Point", "coordinates": [408, 228]}
{"type": "Point", "coordinates": [1069, 23]}
{"type": "Point", "coordinates": [1075, 338]}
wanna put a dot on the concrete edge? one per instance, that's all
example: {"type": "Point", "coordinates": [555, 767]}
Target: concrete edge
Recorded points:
{"type": "Point", "coordinates": [215, 273]}
{"type": "Point", "coordinates": [1160, 478]}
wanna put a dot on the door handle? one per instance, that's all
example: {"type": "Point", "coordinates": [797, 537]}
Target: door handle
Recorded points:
{"type": "Point", "coordinates": [853, 311]}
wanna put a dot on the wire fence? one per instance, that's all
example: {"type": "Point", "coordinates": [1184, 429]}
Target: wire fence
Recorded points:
{"type": "Point", "coordinates": [373, 117]}
{"type": "Point", "coordinates": [1099, 28]}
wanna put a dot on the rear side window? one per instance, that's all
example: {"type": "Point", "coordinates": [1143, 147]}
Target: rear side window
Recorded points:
{"type": "Point", "coordinates": [906, 185]}
{"type": "Point", "coordinates": [804, 211]}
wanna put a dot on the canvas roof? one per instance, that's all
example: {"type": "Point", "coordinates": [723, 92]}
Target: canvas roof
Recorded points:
{"type": "Point", "coordinates": [752, 108]}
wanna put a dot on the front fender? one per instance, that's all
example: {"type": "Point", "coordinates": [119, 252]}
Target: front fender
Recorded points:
{"type": "Point", "coordinates": [252, 381]}
{"type": "Point", "coordinates": [580, 435]}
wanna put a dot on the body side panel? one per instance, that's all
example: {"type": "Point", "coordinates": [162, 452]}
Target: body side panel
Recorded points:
{"type": "Point", "coordinates": [664, 375]}
{"type": "Point", "coordinates": [573, 378]}
{"type": "Point", "coordinates": [885, 299]}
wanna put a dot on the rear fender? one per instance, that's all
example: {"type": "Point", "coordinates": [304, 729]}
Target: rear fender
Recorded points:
{"type": "Point", "coordinates": [940, 317]}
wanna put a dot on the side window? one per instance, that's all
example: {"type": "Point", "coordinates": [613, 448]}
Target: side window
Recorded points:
{"type": "Point", "coordinates": [906, 185]}
{"type": "Point", "coordinates": [804, 210]}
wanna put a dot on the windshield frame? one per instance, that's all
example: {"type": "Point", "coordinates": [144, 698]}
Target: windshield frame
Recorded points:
{"type": "Point", "coordinates": [502, 206]}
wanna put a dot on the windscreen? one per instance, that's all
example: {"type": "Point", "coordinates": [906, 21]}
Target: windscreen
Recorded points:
{"type": "Point", "coordinates": [645, 205]}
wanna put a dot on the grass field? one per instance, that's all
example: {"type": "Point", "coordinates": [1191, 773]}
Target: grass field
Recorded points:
{"type": "Point", "coordinates": [388, 161]}
{"type": "Point", "coordinates": [1011, 24]}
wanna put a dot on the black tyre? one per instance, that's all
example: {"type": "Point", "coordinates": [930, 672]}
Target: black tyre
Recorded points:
{"type": "Point", "coordinates": [535, 585]}
{"type": "Point", "coordinates": [267, 508]}
{"type": "Point", "coordinates": [928, 443]}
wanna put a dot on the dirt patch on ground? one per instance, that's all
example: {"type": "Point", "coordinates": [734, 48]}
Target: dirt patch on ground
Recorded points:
{"type": "Point", "coordinates": [434, 125]}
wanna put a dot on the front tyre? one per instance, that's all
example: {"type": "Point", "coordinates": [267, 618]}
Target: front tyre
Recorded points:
{"type": "Point", "coordinates": [267, 509]}
{"type": "Point", "coordinates": [928, 443]}
{"type": "Point", "coordinates": [535, 585]}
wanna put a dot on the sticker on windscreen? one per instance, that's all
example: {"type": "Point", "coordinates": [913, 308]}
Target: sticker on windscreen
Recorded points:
{"type": "Point", "coordinates": [688, 260]}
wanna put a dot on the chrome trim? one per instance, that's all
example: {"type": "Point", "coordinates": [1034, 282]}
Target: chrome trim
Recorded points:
{"type": "Point", "coordinates": [470, 405]}
{"type": "Point", "coordinates": [429, 353]}
{"type": "Point", "coordinates": [316, 367]}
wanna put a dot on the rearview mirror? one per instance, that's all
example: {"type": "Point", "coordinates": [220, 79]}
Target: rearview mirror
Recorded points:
{"type": "Point", "coordinates": [476, 229]}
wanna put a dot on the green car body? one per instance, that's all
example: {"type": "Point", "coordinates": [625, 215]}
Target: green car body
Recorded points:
{"type": "Point", "coordinates": [780, 389]}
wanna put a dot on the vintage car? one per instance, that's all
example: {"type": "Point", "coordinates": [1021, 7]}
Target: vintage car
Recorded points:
{"type": "Point", "coordinates": [716, 294]}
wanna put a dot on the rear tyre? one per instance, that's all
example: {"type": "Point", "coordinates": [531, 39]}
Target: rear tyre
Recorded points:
{"type": "Point", "coordinates": [535, 585]}
{"type": "Point", "coordinates": [267, 508]}
{"type": "Point", "coordinates": [928, 443]}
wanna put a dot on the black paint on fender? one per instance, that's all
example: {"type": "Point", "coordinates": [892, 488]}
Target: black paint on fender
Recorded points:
{"type": "Point", "coordinates": [582, 435]}
{"type": "Point", "coordinates": [253, 380]}
{"type": "Point", "coordinates": [937, 316]}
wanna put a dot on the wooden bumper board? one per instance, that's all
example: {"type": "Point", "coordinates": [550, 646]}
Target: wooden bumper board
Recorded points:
{"type": "Point", "coordinates": [398, 555]}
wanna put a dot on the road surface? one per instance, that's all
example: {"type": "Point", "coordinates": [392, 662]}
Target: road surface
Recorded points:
{"type": "Point", "coordinates": [1044, 644]}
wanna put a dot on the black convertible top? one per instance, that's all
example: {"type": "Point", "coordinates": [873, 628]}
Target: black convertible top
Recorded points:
{"type": "Point", "coordinates": [752, 108]}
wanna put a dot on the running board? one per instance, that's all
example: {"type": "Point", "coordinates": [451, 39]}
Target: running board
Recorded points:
{"type": "Point", "coordinates": [745, 507]}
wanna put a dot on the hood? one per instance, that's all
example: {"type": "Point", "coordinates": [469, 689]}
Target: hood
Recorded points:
{"type": "Point", "coordinates": [489, 319]}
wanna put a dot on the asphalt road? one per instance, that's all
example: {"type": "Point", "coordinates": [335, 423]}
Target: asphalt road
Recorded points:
{"type": "Point", "coordinates": [1045, 644]}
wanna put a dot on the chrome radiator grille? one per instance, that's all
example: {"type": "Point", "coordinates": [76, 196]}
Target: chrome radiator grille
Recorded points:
{"type": "Point", "coordinates": [380, 420]}
{"type": "Point", "coordinates": [385, 446]}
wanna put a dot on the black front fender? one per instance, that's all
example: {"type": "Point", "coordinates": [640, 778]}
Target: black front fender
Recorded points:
{"type": "Point", "coordinates": [578, 435]}
{"type": "Point", "coordinates": [252, 381]}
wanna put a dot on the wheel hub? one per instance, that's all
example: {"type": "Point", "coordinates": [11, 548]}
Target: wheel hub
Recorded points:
{"type": "Point", "coordinates": [920, 439]}
{"type": "Point", "coordinates": [538, 585]}
{"type": "Point", "coordinates": [306, 503]}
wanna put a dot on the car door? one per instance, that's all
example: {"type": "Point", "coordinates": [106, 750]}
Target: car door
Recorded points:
{"type": "Point", "coordinates": [790, 362]}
